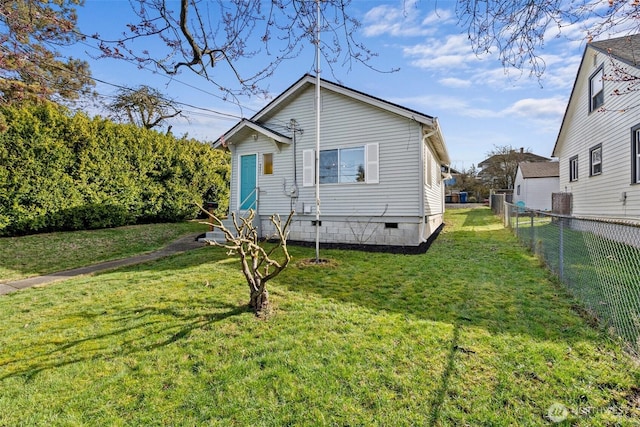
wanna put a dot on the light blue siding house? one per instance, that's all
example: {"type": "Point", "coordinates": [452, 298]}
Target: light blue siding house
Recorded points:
{"type": "Point", "coordinates": [380, 167]}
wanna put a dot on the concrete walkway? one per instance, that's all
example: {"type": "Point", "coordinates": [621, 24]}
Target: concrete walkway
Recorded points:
{"type": "Point", "coordinates": [180, 245]}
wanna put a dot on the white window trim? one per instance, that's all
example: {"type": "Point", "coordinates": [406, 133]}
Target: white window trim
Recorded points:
{"type": "Point", "coordinates": [635, 152]}
{"type": "Point", "coordinates": [598, 78]}
{"type": "Point", "coordinates": [592, 150]}
{"type": "Point", "coordinates": [372, 166]}
{"type": "Point", "coordinates": [573, 169]}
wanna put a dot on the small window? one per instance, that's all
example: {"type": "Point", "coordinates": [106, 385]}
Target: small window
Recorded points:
{"type": "Point", "coordinates": [573, 168]}
{"type": "Point", "coordinates": [428, 165]}
{"type": "Point", "coordinates": [596, 89]}
{"type": "Point", "coordinates": [518, 191]}
{"type": "Point", "coordinates": [267, 164]}
{"type": "Point", "coordinates": [390, 225]}
{"type": "Point", "coordinates": [595, 155]}
{"type": "Point", "coordinates": [635, 155]}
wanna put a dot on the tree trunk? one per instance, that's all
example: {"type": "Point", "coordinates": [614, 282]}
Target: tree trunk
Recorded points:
{"type": "Point", "coordinates": [259, 301]}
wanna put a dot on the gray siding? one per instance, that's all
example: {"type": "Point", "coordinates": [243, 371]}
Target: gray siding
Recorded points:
{"type": "Point", "coordinates": [600, 195]}
{"type": "Point", "coordinates": [355, 212]}
{"type": "Point", "coordinates": [349, 123]}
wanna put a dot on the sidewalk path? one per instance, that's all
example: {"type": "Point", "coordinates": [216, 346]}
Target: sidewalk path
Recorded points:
{"type": "Point", "coordinates": [180, 245]}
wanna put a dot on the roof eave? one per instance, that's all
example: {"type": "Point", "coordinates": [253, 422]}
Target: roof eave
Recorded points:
{"type": "Point", "coordinates": [228, 137]}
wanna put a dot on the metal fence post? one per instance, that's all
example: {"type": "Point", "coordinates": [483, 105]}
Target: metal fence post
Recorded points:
{"type": "Point", "coordinates": [532, 236]}
{"type": "Point", "coordinates": [561, 250]}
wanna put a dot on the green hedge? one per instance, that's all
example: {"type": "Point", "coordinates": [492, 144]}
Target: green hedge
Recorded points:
{"type": "Point", "coordinates": [62, 171]}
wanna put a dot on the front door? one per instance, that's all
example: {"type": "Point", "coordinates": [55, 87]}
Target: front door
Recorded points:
{"type": "Point", "coordinates": [248, 171]}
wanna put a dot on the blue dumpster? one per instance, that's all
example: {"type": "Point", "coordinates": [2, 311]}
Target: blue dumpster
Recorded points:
{"type": "Point", "coordinates": [463, 197]}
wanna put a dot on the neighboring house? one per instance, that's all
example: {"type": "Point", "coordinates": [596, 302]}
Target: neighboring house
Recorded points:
{"type": "Point", "coordinates": [535, 182]}
{"type": "Point", "coordinates": [380, 167]}
{"type": "Point", "coordinates": [498, 171]}
{"type": "Point", "coordinates": [599, 141]}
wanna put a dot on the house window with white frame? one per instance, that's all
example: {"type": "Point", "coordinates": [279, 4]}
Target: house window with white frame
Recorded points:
{"type": "Point", "coordinates": [635, 155]}
{"type": "Point", "coordinates": [595, 160]}
{"type": "Point", "coordinates": [342, 165]}
{"type": "Point", "coordinates": [428, 165]}
{"type": "Point", "coordinates": [596, 89]}
{"type": "Point", "coordinates": [573, 169]}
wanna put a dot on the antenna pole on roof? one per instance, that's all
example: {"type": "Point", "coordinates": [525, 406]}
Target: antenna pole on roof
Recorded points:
{"type": "Point", "coordinates": [317, 159]}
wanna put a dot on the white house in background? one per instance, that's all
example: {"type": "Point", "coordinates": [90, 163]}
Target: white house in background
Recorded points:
{"type": "Point", "coordinates": [380, 167]}
{"type": "Point", "coordinates": [534, 184]}
{"type": "Point", "coordinates": [599, 141]}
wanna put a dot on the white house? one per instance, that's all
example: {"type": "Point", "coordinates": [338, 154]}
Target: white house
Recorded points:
{"type": "Point", "coordinates": [534, 184]}
{"type": "Point", "coordinates": [380, 167]}
{"type": "Point", "coordinates": [599, 141]}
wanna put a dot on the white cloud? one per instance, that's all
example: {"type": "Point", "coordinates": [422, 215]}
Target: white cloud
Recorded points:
{"type": "Point", "coordinates": [540, 108]}
{"type": "Point", "coordinates": [439, 17]}
{"type": "Point", "coordinates": [434, 54]}
{"type": "Point", "coordinates": [455, 82]}
{"type": "Point", "coordinates": [403, 20]}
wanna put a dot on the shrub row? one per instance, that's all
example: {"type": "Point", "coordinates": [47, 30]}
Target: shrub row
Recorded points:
{"type": "Point", "coordinates": [63, 171]}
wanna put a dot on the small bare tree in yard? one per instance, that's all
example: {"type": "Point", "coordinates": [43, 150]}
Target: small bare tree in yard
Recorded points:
{"type": "Point", "coordinates": [260, 262]}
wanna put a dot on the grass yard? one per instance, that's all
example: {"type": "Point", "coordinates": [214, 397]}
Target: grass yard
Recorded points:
{"type": "Point", "coordinates": [474, 332]}
{"type": "Point", "coordinates": [38, 254]}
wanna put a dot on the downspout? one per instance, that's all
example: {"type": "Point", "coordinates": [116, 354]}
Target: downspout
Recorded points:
{"type": "Point", "coordinates": [421, 183]}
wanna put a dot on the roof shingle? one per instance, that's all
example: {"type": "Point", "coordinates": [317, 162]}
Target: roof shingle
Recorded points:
{"type": "Point", "coordinates": [540, 169]}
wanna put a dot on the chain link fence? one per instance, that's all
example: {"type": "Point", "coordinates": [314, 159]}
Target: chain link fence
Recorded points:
{"type": "Point", "coordinates": [598, 261]}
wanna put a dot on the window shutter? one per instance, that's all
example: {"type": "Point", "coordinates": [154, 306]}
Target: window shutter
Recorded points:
{"type": "Point", "coordinates": [308, 168]}
{"type": "Point", "coordinates": [372, 175]}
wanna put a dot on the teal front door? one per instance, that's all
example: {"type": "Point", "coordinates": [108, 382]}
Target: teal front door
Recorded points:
{"type": "Point", "coordinates": [248, 172]}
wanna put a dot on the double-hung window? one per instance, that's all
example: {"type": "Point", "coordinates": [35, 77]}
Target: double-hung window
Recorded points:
{"type": "Point", "coordinates": [596, 89]}
{"type": "Point", "coordinates": [595, 160]}
{"type": "Point", "coordinates": [635, 155]}
{"type": "Point", "coordinates": [573, 168]}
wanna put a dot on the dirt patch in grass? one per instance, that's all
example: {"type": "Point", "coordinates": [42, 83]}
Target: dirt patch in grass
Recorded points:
{"type": "Point", "coordinates": [312, 262]}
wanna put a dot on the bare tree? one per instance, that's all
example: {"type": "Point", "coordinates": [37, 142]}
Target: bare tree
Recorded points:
{"type": "Point", "coordinates": [259, 262]}
{"type": "Point", "coordinates": [517, 29]}
{"type": "Point", "coordinates": [212, 38]}
{"type": "Point", "coordinates": [500, 168]}
{"type": "Point", "coordinates": [143, 106]}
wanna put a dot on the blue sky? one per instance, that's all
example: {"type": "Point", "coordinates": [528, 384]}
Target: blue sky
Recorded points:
{"type": "Point", "coordinates": [478, 103]}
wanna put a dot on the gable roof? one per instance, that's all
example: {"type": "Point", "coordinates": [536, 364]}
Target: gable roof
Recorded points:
{"type": "Point", "coordinates": [307, 80]}
{"type": "Point", "coordinates": [625, 49]}
{"type": "Point", "coordinates": [245, 125]}
{"type": "Point", "coordinates": [539, 169]}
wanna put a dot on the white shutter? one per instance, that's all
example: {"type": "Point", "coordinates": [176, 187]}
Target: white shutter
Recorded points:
{"type": "Point", "coordinates": [372, 175]}
{"type": "Point", "coordinates": [308, 168]}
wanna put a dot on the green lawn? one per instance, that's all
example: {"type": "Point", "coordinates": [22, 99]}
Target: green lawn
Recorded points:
{"type": "Point", "coordinates": [38, 254]}
{"type": "Point", "coordinates": [603, 274]}
{"type": "Point", "coordinates": [474, 332]}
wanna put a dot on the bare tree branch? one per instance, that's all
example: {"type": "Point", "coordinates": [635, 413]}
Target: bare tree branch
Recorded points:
{"type": "Point", "coordinates": [258, 265]}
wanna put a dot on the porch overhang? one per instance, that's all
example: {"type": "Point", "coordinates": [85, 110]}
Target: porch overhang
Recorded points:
{"type": "Point", "coordinates": [247, 129]}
